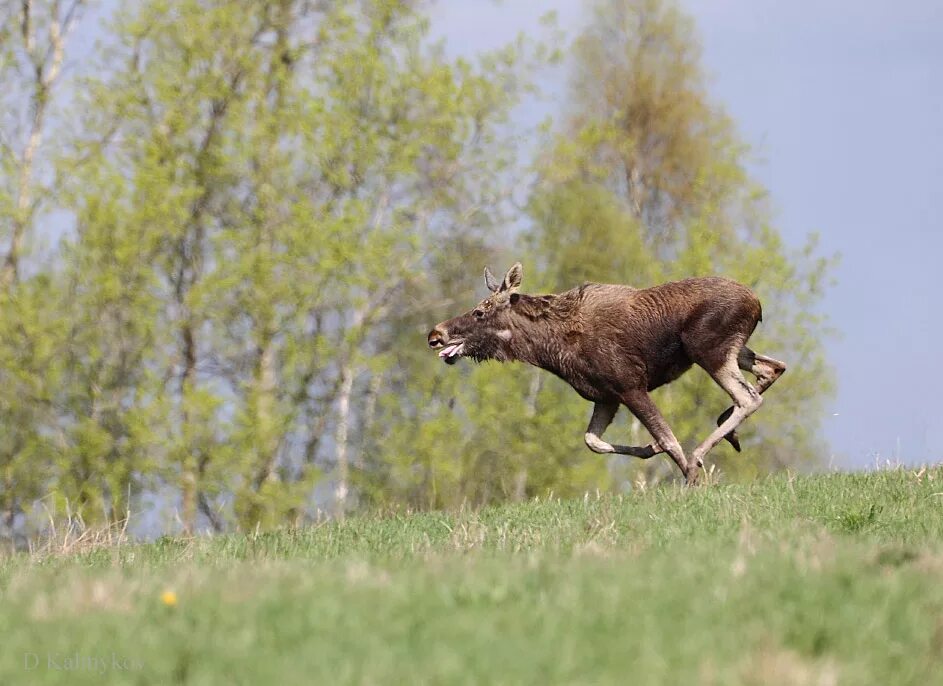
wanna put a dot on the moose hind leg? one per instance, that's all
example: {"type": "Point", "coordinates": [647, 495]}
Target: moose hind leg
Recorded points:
{"type": "Point", "coordinates": [765, 369]}
{"type": "Point", "coordinates": [640, 404]}
{"type": "Point", "coordinates": [603, 414]}
{"type": "Point", "coordinates": [746, 401]}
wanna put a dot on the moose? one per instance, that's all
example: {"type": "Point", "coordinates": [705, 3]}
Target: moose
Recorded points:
{"type": "Point", "coordinates": [614, 344]}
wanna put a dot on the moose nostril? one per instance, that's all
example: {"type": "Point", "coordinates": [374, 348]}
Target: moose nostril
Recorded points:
{"type": "Point", "coordinates": [436, 338]}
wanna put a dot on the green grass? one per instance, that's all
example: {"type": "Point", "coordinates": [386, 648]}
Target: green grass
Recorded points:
{"type": "Point", "coordinates": [832, 579]}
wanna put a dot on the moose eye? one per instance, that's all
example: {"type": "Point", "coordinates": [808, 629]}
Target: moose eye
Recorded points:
{"type": "Point", "coordinates": [479, 313]}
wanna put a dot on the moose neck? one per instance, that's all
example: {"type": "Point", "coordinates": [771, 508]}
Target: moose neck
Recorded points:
{"type": "Point", "coordinates": [541, 328]}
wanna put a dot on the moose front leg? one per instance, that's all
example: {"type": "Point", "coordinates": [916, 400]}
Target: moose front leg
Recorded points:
{"type": "Point", "coordinates": [641, 405]}
{"type": "Point", "coordinates": [603, 414]}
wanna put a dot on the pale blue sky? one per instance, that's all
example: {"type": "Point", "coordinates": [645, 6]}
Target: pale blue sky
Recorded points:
{"type": "Point", "coordinates": [843, 104]}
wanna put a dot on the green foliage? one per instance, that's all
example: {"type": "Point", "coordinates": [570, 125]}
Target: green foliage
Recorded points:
{"type": "Point", "coordinates": [257, 188]}
{"type": "Point", "coordinates": [728, 584]}
{"type": "Point", "coordinates": [31, 440]}
{"type": "Point", "coordinates": [269, 203]}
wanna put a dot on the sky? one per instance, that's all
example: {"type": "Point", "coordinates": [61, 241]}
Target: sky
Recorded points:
{"type": "Point", "coordinates": [842, 104]}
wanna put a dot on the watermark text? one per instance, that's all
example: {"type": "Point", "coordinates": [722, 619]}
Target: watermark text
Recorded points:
{"type": "Point", "coordinates": [77, 662]}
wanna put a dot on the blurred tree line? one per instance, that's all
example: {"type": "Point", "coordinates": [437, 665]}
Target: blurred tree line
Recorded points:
{"type": "Point", "coordinates": [269, 203]}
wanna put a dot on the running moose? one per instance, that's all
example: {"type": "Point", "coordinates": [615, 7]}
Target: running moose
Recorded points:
{"type": "Point", "coordinates": [613, 344]}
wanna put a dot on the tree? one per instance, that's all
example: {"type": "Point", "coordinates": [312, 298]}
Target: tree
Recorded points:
{"type": "Point", "coordinates": [33, 38]}
{"type": "Point", "coordinates": [647, 182]}
{"type": "Point", "coordinates": [443, 437]}
{"type": "Point", "coordinates": [279, 177]}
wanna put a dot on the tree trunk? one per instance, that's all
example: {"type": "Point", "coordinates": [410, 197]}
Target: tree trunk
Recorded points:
{"type": "Point", "coordinates": [266, 435]}
{"type": "Point", "coordinates": [188, 479]}
{"type": "Point", "coordinates": [46, 63]}
{"type": "Point", "coordinates": [340, 438]}
{"type": "Point", "coordinates": [369, 413]}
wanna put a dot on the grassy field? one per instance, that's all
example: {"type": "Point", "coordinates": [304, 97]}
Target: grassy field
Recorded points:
{"type": "Point", "coordinates": [833, 579]}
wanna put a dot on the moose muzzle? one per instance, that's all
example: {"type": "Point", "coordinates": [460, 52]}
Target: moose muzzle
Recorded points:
{"type": "Point", "coordinates": [449, 350]}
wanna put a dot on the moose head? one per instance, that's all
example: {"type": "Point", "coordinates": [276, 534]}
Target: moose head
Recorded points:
{"type": "Point", "coordinates": [485, 332]}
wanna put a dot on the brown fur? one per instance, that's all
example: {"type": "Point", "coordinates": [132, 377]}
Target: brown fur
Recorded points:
{"type": "Point", "coordinates": [613, 344]}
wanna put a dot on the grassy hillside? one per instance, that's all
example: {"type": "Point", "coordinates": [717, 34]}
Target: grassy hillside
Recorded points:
{"type": "Point", "coordinates": [834, 579]}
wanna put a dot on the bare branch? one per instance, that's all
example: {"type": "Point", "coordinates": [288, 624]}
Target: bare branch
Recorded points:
{"type": "Point", "coordinates": [26, 26]}
{"type": "Point", "coordinates": [46, 69]}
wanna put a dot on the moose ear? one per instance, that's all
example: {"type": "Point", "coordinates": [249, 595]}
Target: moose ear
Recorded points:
{"type": "Point", "coordinates": [512, 280]}
{"type": "Point", "coordinates": [491, 281]}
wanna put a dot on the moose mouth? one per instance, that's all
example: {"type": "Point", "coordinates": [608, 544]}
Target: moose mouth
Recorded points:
{"type": "Point", "coordinates": [452, 352]}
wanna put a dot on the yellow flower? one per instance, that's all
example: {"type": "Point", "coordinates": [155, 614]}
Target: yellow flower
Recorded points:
{"type": "Point", "coordinates": [168, 598]}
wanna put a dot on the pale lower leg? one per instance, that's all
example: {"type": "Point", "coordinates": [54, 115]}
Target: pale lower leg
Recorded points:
{"type": "Point", "coordinates": [603, 414]}
{"type": "Point", "coordinates": [746, 401]}
{"type": "Point", "coordinates": [765, 369]}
